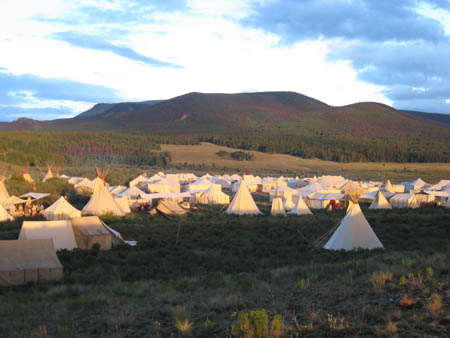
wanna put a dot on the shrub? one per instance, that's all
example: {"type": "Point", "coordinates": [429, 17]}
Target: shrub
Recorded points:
{"type": "Point", "coordinates": [380, 278]}
{"type": "Point", "coordinates": [252, 324]}
{"type": "Point", "coordinates": [434, 306]}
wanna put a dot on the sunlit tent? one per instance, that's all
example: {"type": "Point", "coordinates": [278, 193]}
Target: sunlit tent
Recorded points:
{"type": "Point", "coordinates": [61, 209]}
{"type": "Point", "coordinates": [170, 208]}
{"type": "Point", "coordinates": [35, 195]}
{"type": "Point", "coordinates": [137, 180]}
{"type": "Point", "coordinates": [289, 202]}
{"type": "Point", "coordinates": [4, 215]}
{"type": "Point", "coordinates": [332, 181]}
{"type": "Point", "coordinates": [75, 180]}
{"type": "Point", "coordinates": [117, 189]}
{"type": "Point", "coordinates": [90, 230]}
{"type": "Point", "coordinates": [321, 200]}
{"type": "Point", "coordinates": [404, 201]}
{"type": "Point", "coordinates": [163, 185]}
{"type": "Point", "coordinates": [414, 185]}
{"type": "Point", "coordinates": [49, 173]}
{"type": "Point", "coordinates": [4, 195]}
{"type": "Point", "coordinates": [300, 208]}
{"type": "Point", "coordinates": [354, 232]}
{"type": "Point", "coordinates": [387, 187]}
{"type": "Point", "coordinates": [124, 203]}
{"type": "Point", "coordinates": [440, 186]}
{"type": "Point", "coordinates": [60, 231]}
{"type": "Point", "coordinates": [102, 202]}
{"type": "Point", "coordinates": [201, 184]}
{"type": "Point", "coordinates": [243, 203]}
{"type": "Point", "coordinates": [353, 188]}
{"type": "Point", "coordinates": [380, 202]}
{"type": "Point", "coordinates": [373, 195]}
{"type": "Point", "coordinates": [28, 261]}
{"type": "Point", "coordinates": [277, 207]}
{"type": "Point", "coordinates": [85, 184]}
{"type": "Point", "coordinates": [213, 195]}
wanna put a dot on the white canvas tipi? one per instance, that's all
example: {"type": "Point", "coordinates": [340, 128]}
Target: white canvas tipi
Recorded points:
{"type": "Point", "coordinates": [4, 216]}
{"type": "Point", "coordinates": [61, 209]}
{"type": "Point", "coordinates": [300, 208]}
{"type": "Point", "coordinates": [380, 202]}
{"type": "Point", "coordinates": [49, 173]}
{"type": "Point", "coordinates": [213, 195]}
{"type": "Point", "coordinates": [4, 195]}
{"type": "Point", "coordinates": [277, 207]}
{"type": "Point", "coordinates": [354, 232]}
{"type": "Point", "coordinates": [243, 203]}
{"type": "Point", "coordinates": [102, 202]}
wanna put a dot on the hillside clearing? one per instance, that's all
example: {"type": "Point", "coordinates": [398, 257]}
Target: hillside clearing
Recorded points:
{"type": "Point", "coordinates": [264, 163]}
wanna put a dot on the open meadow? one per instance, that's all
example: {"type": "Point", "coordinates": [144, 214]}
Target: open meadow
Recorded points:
{"type": "Point", "coordinates": [211, 275]}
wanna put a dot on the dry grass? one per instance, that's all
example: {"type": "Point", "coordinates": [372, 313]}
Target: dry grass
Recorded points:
{"type": "Point", "coordinates": [205, 153]}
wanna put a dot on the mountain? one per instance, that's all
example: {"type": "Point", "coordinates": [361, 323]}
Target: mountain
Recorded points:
{"type": "Point", "coordinates": [102, 110]}
{"type": "Point", "coordinates": [281, 113]}
{"type": "Point", "coordinates": [440, 118]}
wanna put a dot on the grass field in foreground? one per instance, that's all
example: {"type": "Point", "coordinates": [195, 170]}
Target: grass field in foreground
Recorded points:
{"type": "Point", "coordinates": [276, 164]}
{"type": "Point", "coordinates": [212, 275]}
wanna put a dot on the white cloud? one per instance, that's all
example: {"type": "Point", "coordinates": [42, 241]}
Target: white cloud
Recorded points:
{"type": "Point", "coordinates": [216, 53]}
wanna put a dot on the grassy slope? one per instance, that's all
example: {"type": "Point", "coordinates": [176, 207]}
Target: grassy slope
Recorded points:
{"type": "Point", "coordinates": [220, 265]}
{"type": "Point", "coordinates": [264, 163]}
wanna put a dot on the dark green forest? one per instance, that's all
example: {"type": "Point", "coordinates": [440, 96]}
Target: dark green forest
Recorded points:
{"type": "Point", "coordinates": [142, 149]}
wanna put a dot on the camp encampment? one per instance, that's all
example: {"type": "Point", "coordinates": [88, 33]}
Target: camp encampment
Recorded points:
{"type": "Point", "coordinates": [380, 202]}
{"type": "Point", "coordinates": [354, 232]}
{"type": "Point", "coordinates": [169, 207]}
{"type": "Point", "coordinates": [60, 231]}
{"type": "Point", "coordinates": [243, 203]}
{"type": "Point", "coordinates": [28, 261]}
{"type": "Point", "coordinates": [102, 202]}
{"type": "Point", "coordinates": [60, 210]}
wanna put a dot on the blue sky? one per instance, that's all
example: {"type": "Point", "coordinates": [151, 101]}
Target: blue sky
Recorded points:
{"type": "Point", "coordinates": [60, 57]}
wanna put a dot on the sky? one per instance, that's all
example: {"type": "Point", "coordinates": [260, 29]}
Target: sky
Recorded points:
{"type": "Point", "coordinates": [60, 57]}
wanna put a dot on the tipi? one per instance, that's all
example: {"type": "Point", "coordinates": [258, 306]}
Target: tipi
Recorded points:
{"type": "Point", "coordinates": [4, 195]}
{"type": "Point", "coordinates": [61, 209]}
{"type": "Point", "coordinates": [300, 208]}
{"type": "Point", "coordinates": [4, 216]}
{"type": "Point", "coordinates": [354, 232]}
{"type": "Point", "coordinates": [243, 203]}
{"type": "Point", "coordinates": [213, 195]}
{"type": "Point", "coordinates": [101, 202]}
{"type": "Point", "coordinates": [49, 173]}
{"type": "Point", "coordinates": [277, 207]}
{"type": "Point", "coordinates": [380, 202]}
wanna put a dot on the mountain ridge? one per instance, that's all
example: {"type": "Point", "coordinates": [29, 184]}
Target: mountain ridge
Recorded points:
{"type": "Point", "coordinates": [276, 112]}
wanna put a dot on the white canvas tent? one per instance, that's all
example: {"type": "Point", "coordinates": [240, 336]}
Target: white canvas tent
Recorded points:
{"type": "Point", "coordinates": [354, 232]}
{"type": "Point", "coordinates": [102, 202]}
{"type": "Point", "coordinates": [300, 208]}
{"type": "Point", "coordinates": [60, 231]}
{"type": "Point", "coordinates": [4, 195]}
{"type": "Point", "coordinates": [320, 200]}
{"type": "Point", "coordinates": [28, 261]}
{"type": "Point", "coordinates": [137, 180]}
{"type": "Point", "coordinates": [201, 184]}
{"type": "Point", "coordinates": [243, 203]}
{"type": "Point", "coordinates": [277, 207]}
{"type": "Point", "coordinates": [91, 230]}
{"type": "Point", "coordinates": [163, 185]}
{"type": "Point", "coordinates": [60, 210]}
{"type": "Point", "coordinates": [404, 201]}
{"type": "Point", "coordinates": [4, 215]}
{"type": "Point", "coordinates": [380, 202]}
{"type": "Point", "coordinates": [213, 195]}
{"type": "Point", "coordinates": [49, 174]}
{"type": "Point", "coordinates": [387, 187]}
